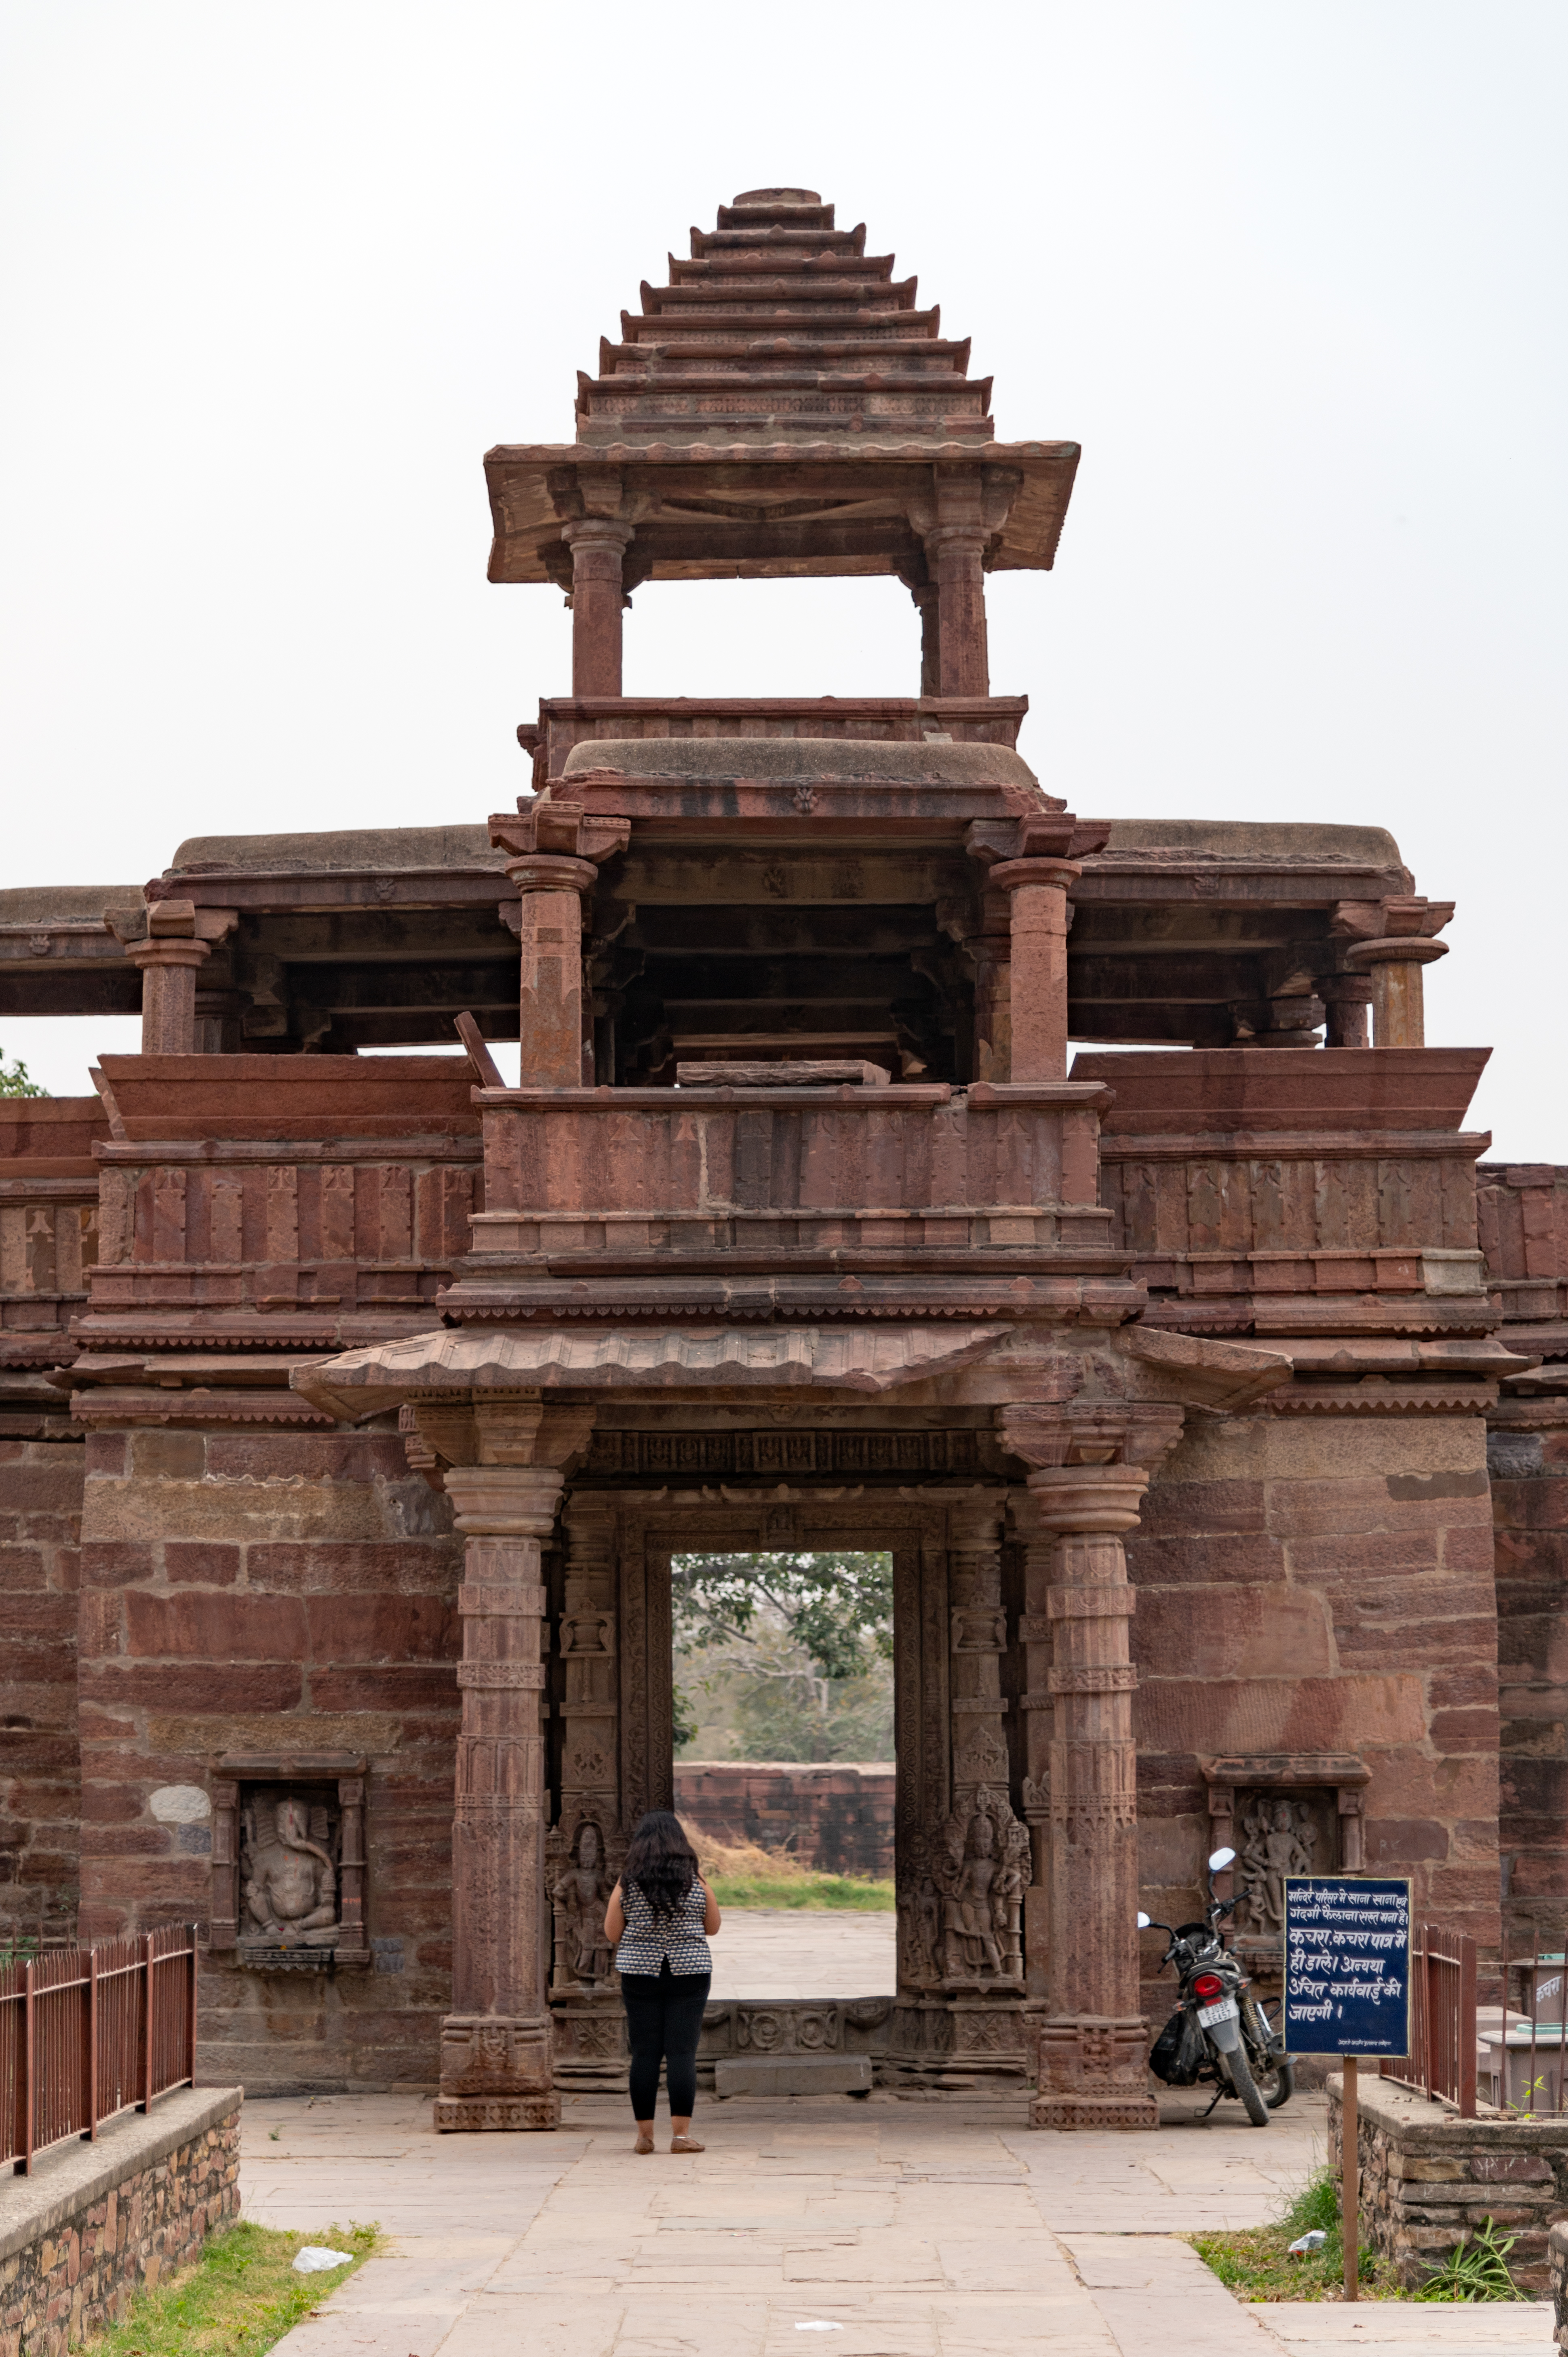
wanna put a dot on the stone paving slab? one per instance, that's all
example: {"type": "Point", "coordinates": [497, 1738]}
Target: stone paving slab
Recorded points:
{"type": "Point", "coordinates": [775, 1952]}
{"type": "Point", "coordinates": [918, 2229]}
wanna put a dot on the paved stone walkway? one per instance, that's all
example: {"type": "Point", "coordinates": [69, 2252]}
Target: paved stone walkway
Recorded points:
{"type": "Point", "coordinates": [804, 1952]}
{"type": "Point", "coordinates": [911, 2229]}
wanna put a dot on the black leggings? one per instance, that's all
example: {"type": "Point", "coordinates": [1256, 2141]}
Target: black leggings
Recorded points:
{"type": "Point", "coordinates": [664, 2021]}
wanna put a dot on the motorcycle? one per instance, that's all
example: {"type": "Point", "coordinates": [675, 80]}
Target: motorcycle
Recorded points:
{"type": "Point", "coordinates": [1219, 2030]}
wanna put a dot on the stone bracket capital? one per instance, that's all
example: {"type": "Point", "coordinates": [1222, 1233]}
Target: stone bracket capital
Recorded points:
{"type": "Point", "coordinates": [562, 830]}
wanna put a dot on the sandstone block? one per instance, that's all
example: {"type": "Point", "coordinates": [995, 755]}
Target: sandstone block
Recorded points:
{"type": "Point", "coordinates": [793, 2074]}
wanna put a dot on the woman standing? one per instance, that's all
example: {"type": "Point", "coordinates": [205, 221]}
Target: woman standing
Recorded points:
{"type": "Point", "coordinates": [658, 1914]}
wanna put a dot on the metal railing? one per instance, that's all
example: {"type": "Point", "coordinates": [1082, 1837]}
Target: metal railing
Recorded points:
{"type": "Point", "coordinates": [1524, 2040]}
{"type": "Point", "coordinates": [1443, 2057]}
{"type": "Point", "coordinates": [87, 2033]}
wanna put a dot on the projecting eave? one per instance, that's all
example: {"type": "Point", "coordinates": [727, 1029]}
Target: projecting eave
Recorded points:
{"type": "Point", "coordinates": [729, 510]}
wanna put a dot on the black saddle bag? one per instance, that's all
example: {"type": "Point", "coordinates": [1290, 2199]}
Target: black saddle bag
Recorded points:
{"type": "Point", "coordinates": [1179, 2053]}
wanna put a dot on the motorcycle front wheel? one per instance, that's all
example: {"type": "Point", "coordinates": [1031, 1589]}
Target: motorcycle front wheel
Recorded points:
{"type": "Point", "coordinates": [1246, 2086]}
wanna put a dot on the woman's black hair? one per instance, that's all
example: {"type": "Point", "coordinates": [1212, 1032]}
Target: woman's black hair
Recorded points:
{"type": "Point", "coordinates": [660, 1861]}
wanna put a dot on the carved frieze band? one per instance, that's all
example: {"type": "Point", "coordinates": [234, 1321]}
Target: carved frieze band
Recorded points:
{"type": "Point", "coordinates": [496, 1675]}
{"type": "Point", "coordinates": [1107, 1677]}
{"type": "Point", "coordinates": [661, 1456]}
{"type": "Point", "coordinates": [1118, 1602]}
{"type": "Point", "coordinates": [524, 1600]}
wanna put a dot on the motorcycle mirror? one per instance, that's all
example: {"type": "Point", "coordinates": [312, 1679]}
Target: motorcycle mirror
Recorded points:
{"type": "Point", "coordinates": [1222, 1858]}
{"type": "Point", "coordinates": [1143, 1922]}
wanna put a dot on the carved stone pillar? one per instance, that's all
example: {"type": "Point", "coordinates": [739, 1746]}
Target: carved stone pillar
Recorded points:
{"type": "Point", "coordinates": [496, 2070]}
{"type": "Point", "coordinates": [977, 1641]}
{"type": "Point", "coordinates": [1391, 940]}
{"type": "Point", "coordinates": [1039, 916]}
{"type": "Point", "coordinates": [989, 953]}
{"type": "Point", "coordinates": [495, 2043]}
{"type": "Point", "coordinates": [169, 958]}
{"type": "Point", "coordinates": [1094, 2042]}
{"type": "Point", "coordinates": [926, 597]}
{"type": "Point", "coordinates": [598, 545]}
{"type": "Point", "coordinates": [550, 984]}
{"type": "Point", "coordinates": [956, 552]}
{"type": "Point", "coordinates": [1089, 1467]}
{"type": "Point", "coordinates": [1036, 1704]}
{"type": "Point", "coordinates": [1347, 997]}
{"type": "Point", "coordinates": [589, 1705]}
{"type": "Point", "coordinates": [1399, 1011]}
{"type": "Point", "coordinates": [177, 943]}
{"type": "Point", "coordinates": [219, 1015]}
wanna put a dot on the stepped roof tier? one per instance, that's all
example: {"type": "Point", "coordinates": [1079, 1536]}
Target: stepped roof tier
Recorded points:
{"type": "Point", "coordinates": [779, 406]}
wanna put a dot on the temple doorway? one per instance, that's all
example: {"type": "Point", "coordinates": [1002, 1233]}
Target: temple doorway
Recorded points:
{"type": "Point", "coordinates": [782, 1722]}
{"type": "Point", "coordinates": [701, 1590]}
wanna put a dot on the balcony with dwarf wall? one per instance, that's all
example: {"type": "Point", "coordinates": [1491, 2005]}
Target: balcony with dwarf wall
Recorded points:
{"type": "Point", "coordinates": [1329, 1198]}
{"type": "Point", "coordinates": [49, 1244]}
{"type": "Point", "coordinates": [844, 1197]}
{"type": "Point", "coordinates": [254, 1209]}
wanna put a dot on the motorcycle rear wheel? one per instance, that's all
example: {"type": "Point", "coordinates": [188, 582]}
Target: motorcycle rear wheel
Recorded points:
{"type": "Point", "coordinates": [1277, 2081]}
{"type": "Point", "coordinates": [1246, 2086]}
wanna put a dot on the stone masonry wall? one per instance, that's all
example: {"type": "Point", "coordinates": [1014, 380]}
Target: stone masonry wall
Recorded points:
{"type": "Point", "coordinates": [1530, 1507]}
{"type": "Point", "coordinates": [1324, 1584]}
{"type": "Point", "coordinates": [40, 1777]}
{"type": "Point", "coordinates": [100, 2222]}
{"type": "Point", "coordinates": [1428, 2178]}
{"type": "Point", "coordinates": [264, 1592]}
{"type": "Point", "coordinates": [837, 1817]}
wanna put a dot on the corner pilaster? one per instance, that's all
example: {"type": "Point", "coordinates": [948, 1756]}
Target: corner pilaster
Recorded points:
{"type": "Point", "coordinates": [496, 2064]}
{"type": "Point", "coordinates": [1089, 1471]}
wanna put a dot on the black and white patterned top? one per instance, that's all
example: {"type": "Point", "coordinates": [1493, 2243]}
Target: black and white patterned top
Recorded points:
{"type": "Point", "coordinates": [648, 1938]}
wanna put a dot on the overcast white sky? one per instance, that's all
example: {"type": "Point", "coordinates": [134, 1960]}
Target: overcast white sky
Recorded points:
{"type": "Point", "coordinates": [274, 276]}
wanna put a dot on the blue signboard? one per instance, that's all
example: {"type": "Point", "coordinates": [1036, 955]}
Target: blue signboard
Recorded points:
{"type": "Point", "coordinates": [1347, 1963]}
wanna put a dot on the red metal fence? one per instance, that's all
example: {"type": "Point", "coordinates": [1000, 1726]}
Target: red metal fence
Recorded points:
{"type": "Point", "coordinates": [1442, 2058]}
{"type": "Point", "coordinates": [87, 2032]}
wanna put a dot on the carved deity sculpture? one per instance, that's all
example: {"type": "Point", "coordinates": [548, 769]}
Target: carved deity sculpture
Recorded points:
{"type": "Point", "coordinates": [289, 1881]}
{"type": "Point", "coordinates": [977, 1869]}
{"type": "Point", "coordinates": [581, 1893]}
{"type": "Point", "coordinates": [1278, 1838]}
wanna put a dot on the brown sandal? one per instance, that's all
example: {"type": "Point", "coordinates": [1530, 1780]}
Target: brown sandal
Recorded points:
{"type": "Point", "coordinates": [686, 2144]}
{"type": "Point", "coordinates": [644, 2140]}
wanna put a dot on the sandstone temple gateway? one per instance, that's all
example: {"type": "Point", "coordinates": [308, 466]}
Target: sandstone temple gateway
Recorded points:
{"type": "Point", "coordinates": [353, 1407]}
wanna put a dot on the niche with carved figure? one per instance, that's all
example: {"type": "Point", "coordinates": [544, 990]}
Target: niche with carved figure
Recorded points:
{"type": "Point", "coordinates": [1283, 1814]}
{"type": "Point", "coordinates": [288, 1866]}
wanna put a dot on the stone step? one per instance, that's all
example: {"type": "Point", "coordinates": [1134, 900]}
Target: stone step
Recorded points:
{"type": "Point", "coordinates": [793, 2074]}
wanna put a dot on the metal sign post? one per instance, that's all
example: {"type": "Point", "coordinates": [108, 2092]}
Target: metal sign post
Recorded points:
{"type": "Point", "coordinates": [1346, 1991]}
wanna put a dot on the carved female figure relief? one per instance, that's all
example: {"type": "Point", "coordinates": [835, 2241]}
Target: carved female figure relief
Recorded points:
{"type": "Point", "coordinates": [289, 1881]}
{"type": "Point", "coordinates": [978, 1867]}
{"type": "Point", "coordinates": [1278, 1838]}
{"type": "Point", "coordinates": [581, 1894]}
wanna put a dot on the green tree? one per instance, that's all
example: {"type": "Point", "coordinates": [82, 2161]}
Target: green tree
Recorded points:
{"type": "Point", "coordinates": [13, 1081]}
{"type": "Point", "coordinates": [834, 1606]}
{"type": "Point", "coordinates": [789, 1655]}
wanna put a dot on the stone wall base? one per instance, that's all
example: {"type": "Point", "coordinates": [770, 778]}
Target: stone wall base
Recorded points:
{"type": "Point", "coordinates": [1429, 2178]}
{"type": "Point", "coordinates": [95, 2221]}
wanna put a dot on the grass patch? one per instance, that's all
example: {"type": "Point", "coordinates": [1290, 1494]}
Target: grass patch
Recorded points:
{"type": "Point", "coordinates": [1255, 2261]}
{"type": "Point", "coordinates": [238, 2300]}
{"type": "Point", "coordinates": [740, 1874]}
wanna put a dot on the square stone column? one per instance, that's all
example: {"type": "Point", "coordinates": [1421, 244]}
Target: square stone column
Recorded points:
{"type": "Point", "coordinates": [496, 2065]}
{"type": "Point", "coordinates": [1039, 918]}
{"type": "Point", "coordinates": [598, 546]}
{"type": "Point", "coordinates": [495, 2043]}
{"type": "Point", "coordinates": [550, 980]}
{"type": "Point", "coordinates": [179, 940]}
{"type": "Point", "coordinates": [1090, 1469]}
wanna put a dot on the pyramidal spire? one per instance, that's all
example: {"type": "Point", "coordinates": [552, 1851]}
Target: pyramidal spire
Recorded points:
{"type": "Point", "coordinates": [780, 326]}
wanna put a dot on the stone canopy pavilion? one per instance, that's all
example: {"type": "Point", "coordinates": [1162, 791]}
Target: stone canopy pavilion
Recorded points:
{"type": "Point", "coordinates": [352, 1408]}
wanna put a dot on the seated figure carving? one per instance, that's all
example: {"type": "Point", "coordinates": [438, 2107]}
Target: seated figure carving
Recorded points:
{"type": "Point", "coordinates": [290, 1883]}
